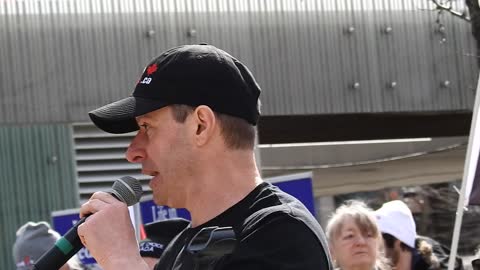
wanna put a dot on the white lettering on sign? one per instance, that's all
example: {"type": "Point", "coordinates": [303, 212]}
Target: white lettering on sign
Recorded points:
{"type": "Point", "coordinates": [150, 246]}
{"type": "Point", "coordinates": [162, 213]}
{"type": "Point", "coordinates": [84, 254]}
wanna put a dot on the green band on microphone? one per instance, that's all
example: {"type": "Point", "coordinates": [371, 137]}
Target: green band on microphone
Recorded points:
{"type": "Point", "coordinates": [64, 245]}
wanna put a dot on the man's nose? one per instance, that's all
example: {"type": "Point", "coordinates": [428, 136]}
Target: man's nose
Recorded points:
{"type": "Point", "coordinates": [136, 150]}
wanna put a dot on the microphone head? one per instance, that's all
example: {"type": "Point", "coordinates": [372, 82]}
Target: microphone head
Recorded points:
{"type": "Point", "coordinates": [127, 189]}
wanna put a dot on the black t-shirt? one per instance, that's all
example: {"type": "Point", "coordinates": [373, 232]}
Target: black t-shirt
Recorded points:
{"type": "Point", "coordinates": [273, 230]}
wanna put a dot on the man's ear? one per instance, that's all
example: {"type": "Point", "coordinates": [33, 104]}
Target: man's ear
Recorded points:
{"type": "Point", "coordinates": [205, 124]}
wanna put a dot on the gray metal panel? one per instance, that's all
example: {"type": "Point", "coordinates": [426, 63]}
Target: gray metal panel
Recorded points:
{"type": "Point", "coordinates": [100, 159]}
{"type": "Point", "coordinates": [60, 59]}
{"type": "Point", "coordinates": [37, 174]}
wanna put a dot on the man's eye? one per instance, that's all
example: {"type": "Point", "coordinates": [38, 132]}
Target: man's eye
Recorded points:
{"type": "Point", "coordinates": [144, 126]}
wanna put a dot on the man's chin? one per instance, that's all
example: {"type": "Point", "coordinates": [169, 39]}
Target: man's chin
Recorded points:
{"type": "Point", "coordinates": [159, 202]}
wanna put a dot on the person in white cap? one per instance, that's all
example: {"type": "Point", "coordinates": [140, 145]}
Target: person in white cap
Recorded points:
{"type": "Point", "coordinates": [395, 221]}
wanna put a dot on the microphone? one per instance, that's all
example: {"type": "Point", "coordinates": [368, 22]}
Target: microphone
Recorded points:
{"type": "Point", "coordinates": [126, 189]}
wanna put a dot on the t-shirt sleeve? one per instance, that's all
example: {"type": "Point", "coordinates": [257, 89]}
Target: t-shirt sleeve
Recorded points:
{"type": "Point", "coordinates": [278, 243]}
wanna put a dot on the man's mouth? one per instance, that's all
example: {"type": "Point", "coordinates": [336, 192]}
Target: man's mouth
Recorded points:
{"type": "Point", "coordinates": [149, 172]}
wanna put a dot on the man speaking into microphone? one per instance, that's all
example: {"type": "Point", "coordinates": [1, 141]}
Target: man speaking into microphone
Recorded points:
{"type": "Point", "coordinates": [195, 108]}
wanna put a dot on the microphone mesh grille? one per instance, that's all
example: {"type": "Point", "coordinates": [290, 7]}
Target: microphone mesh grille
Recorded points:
{"type": "Point", "coordinates": [128, 190]}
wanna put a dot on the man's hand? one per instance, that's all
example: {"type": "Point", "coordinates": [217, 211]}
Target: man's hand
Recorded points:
{"type": "Point", "coordinates": [108, 233]}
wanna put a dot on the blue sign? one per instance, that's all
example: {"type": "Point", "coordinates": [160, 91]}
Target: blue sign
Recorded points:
{"type": "Point", "coordinates": [62, 221]}
{"type": "Point", "coordinates": [151, 212]}
{"type": "Point", "coordinates": [301, 189]}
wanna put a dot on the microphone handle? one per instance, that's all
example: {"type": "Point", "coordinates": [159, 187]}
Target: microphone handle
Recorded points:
{"type": "Point", "coordinates": [65, 248]}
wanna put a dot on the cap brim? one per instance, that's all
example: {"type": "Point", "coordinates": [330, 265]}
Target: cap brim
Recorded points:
{"type": "Point", "coordinates": [119, 117]}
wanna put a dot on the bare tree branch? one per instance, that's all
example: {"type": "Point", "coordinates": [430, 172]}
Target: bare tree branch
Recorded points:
{"type": "Point", "coordinates": [449, 9]}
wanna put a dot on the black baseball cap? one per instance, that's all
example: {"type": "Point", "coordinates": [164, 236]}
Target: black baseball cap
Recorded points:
{"type": "Point", "coordinates": [476, 264]}
{"type": "Point", "coordinates": [192, 75]}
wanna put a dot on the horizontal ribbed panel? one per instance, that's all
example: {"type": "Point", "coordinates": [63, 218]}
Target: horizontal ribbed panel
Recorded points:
{"type": "Point", "coordinates": [100, 159]}
{"type": "Point", "coordinates": [62, 58]}
{"type": "Point", "coordinates": [37, 174]}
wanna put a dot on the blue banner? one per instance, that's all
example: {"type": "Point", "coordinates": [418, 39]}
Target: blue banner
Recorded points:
{"type": "Point", "coordinates": [151, 212]}
{"type": "Point", "coordinates": [301, 189]}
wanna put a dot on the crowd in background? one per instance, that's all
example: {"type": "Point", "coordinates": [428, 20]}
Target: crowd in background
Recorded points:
{"type": "Point", "coordinates": [359, 239]}
{"type": "Point", "coordinates": [363, 239]}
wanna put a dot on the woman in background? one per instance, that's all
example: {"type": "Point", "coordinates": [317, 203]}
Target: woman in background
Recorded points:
{"type": "Point", "coordinates": [354, 238]}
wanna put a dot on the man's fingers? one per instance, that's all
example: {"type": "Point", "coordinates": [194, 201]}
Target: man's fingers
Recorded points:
{"type": "Point", "coordinates": [104, 196]}
{"type": "Point", "coordinates": [92, 206]}
{"type": "Point", "coordinates": [82, 238]}
{"type": "Point", "coordinates": [98, 201]}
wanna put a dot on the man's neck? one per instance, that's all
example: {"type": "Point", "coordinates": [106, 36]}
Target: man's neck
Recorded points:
{"type": "Point", "coordinates": [223, 182]}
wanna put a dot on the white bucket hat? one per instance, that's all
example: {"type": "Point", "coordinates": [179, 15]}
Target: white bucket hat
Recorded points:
{"type": "Point", "coordinates": [395, 218]}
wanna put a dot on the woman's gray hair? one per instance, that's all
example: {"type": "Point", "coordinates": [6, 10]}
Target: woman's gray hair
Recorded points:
{"type": "Point", "coordinates": [364, 218]}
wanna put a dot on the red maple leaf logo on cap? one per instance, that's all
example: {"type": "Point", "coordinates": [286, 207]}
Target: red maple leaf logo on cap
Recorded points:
{"type": "Point", "coordinates": [151, 69]}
